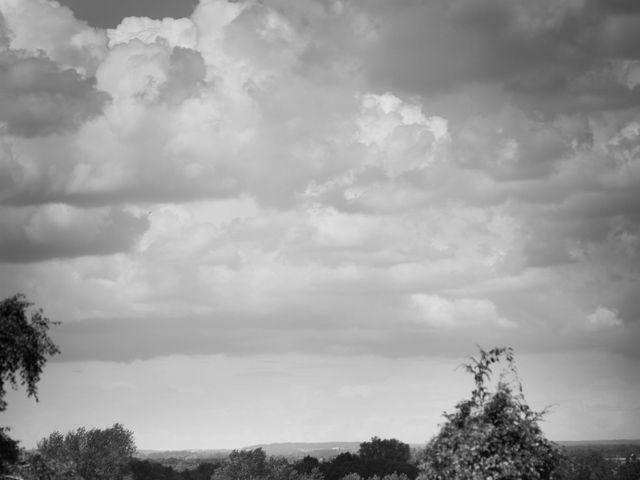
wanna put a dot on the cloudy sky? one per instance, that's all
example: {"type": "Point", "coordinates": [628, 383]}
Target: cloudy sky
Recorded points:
{"type": "Point", "coordinates": [266, 221]}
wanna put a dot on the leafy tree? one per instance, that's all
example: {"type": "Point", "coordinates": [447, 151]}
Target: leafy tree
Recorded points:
{"type": "Point", "coordinates": [243, 465]}
{"type": "Point", "coordinates": [146, 470]}
{"type": "Point", "coordinates": [395, 476]}
{"type": "Point", "coordinates": [587, 465]}
{"type": "Point", "coordinates": [391, 450]}
{"type": "Point", "coordinates": [314, 474]}
{"type": "Point", "coordinates": [630, 469]}
{"type": "Point", "coordinates": [494, 434]}
{"type": "Point", "coordinates": [24, 345]}
{"type": "Point", "coordinates": [97, 454]}
{"type": "Point", "coordinates": [203, 471]}
{"type": "Point", "coordinates": [391, 476]}
{"type": "Point", "coordinates": [342, 465]}
{"type": "Point", "coordinates": [153, 470]}
{"type": "Point", "coordinates": [254, 465]}
{"type": "Point", "coordinates": [352, 476]}
{"type": "Point", "coordinates": [307, 465]}
{"type": "Point", "coordinates": [9, 451]}
{"type": "Point", "coordinates": [24, 348]}
{"type": "Point", "coordinates": [40, 468]}
{"type": "Point", "coordinates": [384, 457]}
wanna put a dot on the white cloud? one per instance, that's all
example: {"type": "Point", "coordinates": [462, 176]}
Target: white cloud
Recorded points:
{"type": "Point", "coordinates": [437, 311]}
{"type": "Point", "coordinates": [44, 26]}
{"type": "Point", "coordinates": [179, 32]}
{"type": "Point", "coordinates": [604, 317]}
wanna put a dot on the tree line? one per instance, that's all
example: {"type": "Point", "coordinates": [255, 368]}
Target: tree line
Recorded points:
{"type": "Point", "coordinates": [492, 435]}
{"type": "Point", "coordinates": [109, 454]}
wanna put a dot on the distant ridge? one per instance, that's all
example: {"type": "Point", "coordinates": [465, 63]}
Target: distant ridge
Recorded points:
{"type": "Point", "coordinates": [302, 449]}
{"type": "Point", "coordinates": [586, 443]}
{"type": "Point", "coordinates": [326, 450]}
{"type": "Point", "coordinates": [192, 454]}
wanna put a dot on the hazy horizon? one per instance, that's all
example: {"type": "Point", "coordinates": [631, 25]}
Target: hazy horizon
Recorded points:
{"type": "Point", "coordinates": [271, 220]}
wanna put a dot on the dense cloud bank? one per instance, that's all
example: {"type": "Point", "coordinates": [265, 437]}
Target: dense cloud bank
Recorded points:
{"type": "Point", "coordinates": [352, 174]}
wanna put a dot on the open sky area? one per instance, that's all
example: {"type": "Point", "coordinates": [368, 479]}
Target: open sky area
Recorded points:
{"type": "Point", "coordinates": [265, 221]}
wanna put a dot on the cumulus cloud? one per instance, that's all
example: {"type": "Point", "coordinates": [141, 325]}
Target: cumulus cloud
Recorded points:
{"type": "Point", "coordinates": [437, 311]}
{"type": "Point", "coordinates": [48, 27]}
{"type": "Point", "coordinates": [45, 89]}
{"type": "Point", "coordinates": [320, 166]}
{"type": "Point", "coordinates": [604, 318]}
{"type": "Point", "coordinates": [178, 32]}
{"type": "Point", "coordinates": [37, 97]}
{"type": "Point", "coordinates": [553, 56]}
{"type": "Point", "coordinates": [34, 234]}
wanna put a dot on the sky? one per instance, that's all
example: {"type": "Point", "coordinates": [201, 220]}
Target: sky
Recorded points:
{"type": "Point", "coordinates": [267, 221]}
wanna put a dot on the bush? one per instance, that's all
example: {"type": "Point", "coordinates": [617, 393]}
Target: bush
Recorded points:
{"type": "Point", "coordinates": [492, 435]}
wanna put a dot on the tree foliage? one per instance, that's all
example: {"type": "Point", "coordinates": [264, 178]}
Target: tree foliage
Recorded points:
{"type": "Point", "coordinates": [492, 435]}
{"type": "Point", "coordinates": [96, 454]}
{"type": "Point", "coordinates": [254, 465]}
{"type": "Point", "coordinates": [630, 469]}
{"type": "Point", "coordinates": [375, 458]}
{"type": "Point", "coordinates": [40, 468]}
{"type": "Point", "coordinates": [24, 345]}
{"type": "Point", "coordinates": [588, 465]}
{"type": "Point", "coordinates": [24, 348]}
{"type": "Point", "coordinates": [388, 449]}
{"type": "Point", "coordinates": [9, 451]}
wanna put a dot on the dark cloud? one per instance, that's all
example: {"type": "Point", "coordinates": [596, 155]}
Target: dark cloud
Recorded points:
{"type": "Point", "coordinates": [38, 97]}
{"type": "Point", "coordinates": [510, 146]}
{"type": "Point", "coordinates": [60, 231]}
{"type": "Point", "coordinates": [550, 56]}
{"type": "Point", "coordinates": [109, 14]}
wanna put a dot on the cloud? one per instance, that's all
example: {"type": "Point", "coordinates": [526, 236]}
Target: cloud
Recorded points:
{"type": "Point", "coordinates": [351, 172]}
{"type": "Point", "coordinates": [49, 28]}
{"type": "Point", "coordinates": [109, 16]}
{"type": "Point", "coordinates": [359, 182]}
{"type": "Point", "coordinates": [45, 89]}
{"type": "Point", "coordinates": [437, 311]}
{"type": "Point", "coordinates": [34, 234]}
{"type": "Point", "coordinates": [179, 32]}
{"type": "Point", "coordinates": [37, 97]}
{"type": "Point", "coordinates": [552, 57]}
{"type": "Point", "coordinates": [604, 318]}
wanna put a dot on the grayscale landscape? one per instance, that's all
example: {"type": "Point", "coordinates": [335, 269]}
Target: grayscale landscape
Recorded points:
{"type": "Point", "coordinates": [319, 239]}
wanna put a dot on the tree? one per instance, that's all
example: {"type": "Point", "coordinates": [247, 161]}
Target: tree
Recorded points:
{"type": "Point", "coordinates": [24, 345]}
{"type": "Point", "coordinates": [24, 348]}
{"type": "Point", "coordinates": [589, 465]}
{"type": "Point", "coordinates": [630, 469]}
{"type": "Point", "coordinates": [493, 435]}
{"type": "Point", "coordinates": [386, 456]}
{"type": "Point", "coordinates": [254, 465]}
{"type": "Point", "coordinates": [97, 454]}
{"type": "Point", "coordinates": [9, 451]}
{"type": "Point", "coordinates": [391, 450]}
{"type": "Point", "coordinates": [39, 468]}
{"type": "Point", "coordinates": [342, 465]}
{"type": "Point", "coordinates": [146, 470]}
{"type": "Point", "coordinates": [307, 465]}
{"type": "Point", "coordinates": [243, 465]}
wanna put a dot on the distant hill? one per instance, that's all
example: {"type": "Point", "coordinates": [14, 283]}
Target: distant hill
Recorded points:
{"type": "Point", "coordinates": [599, 443]}
{"type": "Point", "coordinates": [299, 450]}
{"type": "Point", "coordinates": [181, 454]}
{"type": "Point", "coordinates": [327, 450]}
